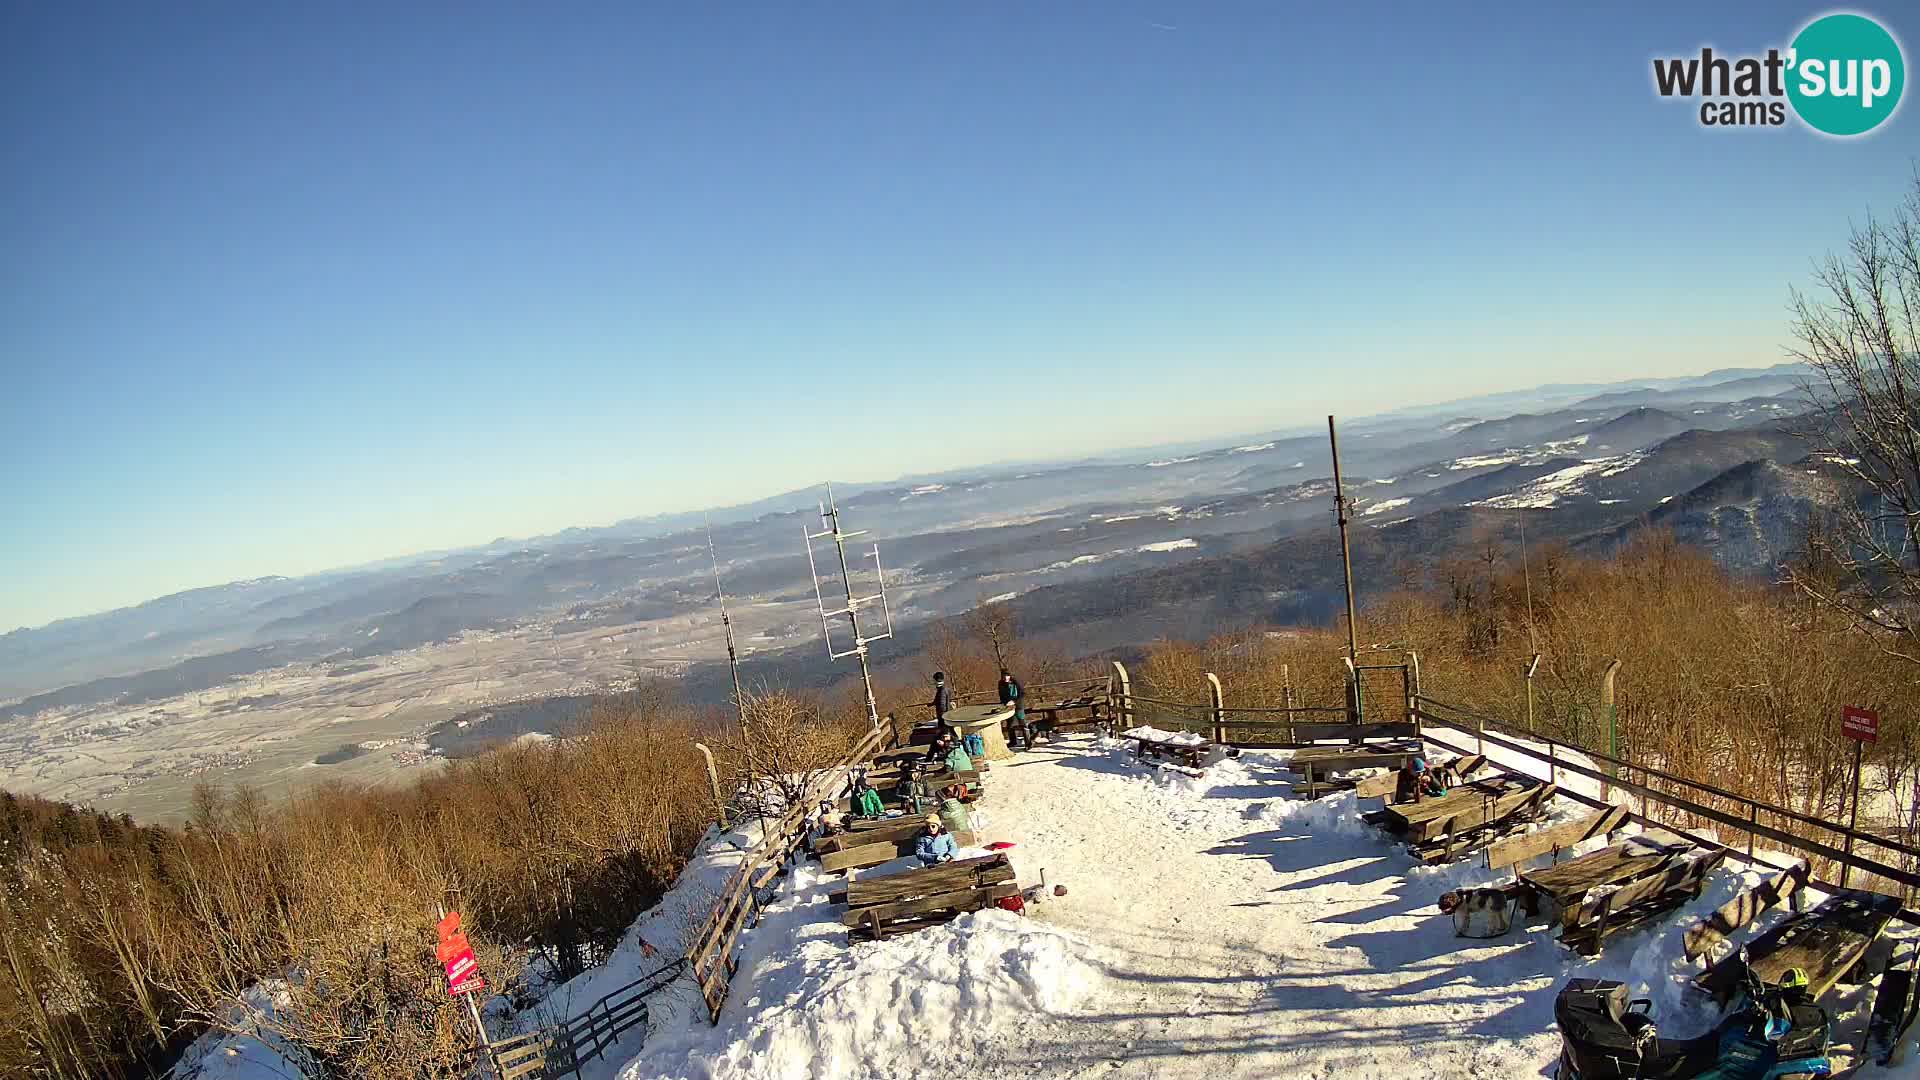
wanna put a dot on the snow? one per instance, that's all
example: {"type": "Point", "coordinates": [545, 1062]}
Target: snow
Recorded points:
{"type": "Point", "coordinates": [1002, 596]}
{"type": "Point", "coordinates": [1383, 506]}
{"type": "Point", "coordinates": [1486, 461]}
{"type": "Point", "coordinates": [1171, 461]}
{"type": "Point", "coordinates": [1213, 927]}
{"type": "Point", "coordinates": [1252, 449]}
{"type": "Point", "coordinates": [1166, 738]}
{"type": "Point", "coordinates": [1298, 465]}
{"type": "Point", "coordinates": [1548, 490]}
{"type": "Point", "coordinates": [1168, 545]}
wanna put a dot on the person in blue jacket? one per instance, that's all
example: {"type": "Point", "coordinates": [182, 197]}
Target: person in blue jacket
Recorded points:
{"type": "Point", "coordinates": [936, 845]}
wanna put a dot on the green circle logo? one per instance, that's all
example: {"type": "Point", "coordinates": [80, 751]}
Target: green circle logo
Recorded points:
{"type": "Point", "coordinates": [1847, 74]}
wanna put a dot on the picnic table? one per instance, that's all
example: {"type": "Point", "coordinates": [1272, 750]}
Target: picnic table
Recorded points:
{"type": "Point", "coordinates": [1619, 887]}
{"type": "Point", "coordinates": [1045, 717]}
{"type": "Point", "coordinates": [1317, 763]}
{"type": "Point", "coordinates": [984, 721]}
{"type": "Point", "coordinates": [1826, 943]}
{"type": "Point", "coordinates": [1184, 746]}
{"type": "Point", "coordinates": [1471, 815]}
{"type": "Point", "coordinates": [896, 904]}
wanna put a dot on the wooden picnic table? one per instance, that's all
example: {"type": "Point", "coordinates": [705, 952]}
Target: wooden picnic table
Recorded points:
{"type": "Point", "coordinates": [1318, 762]}
{"type": "Point", "coordinates": [1155, 743]}
{"type": "Point", "coordinates": [984, 721]}
{"type": "Point", "coordinates": [1475, 803]}
{"type": "Point", "coordinates": [1557, 890]}
{"type": "Point", "coordinates": [908, 901]}
{"type": "Point", "coordinates": [1825, 943]}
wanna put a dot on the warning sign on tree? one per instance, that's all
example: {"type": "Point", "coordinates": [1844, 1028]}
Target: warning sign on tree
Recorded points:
{"type": "Point", "coordinates": [1859, 723]}
{"type": "Point", "coordinates": [463, 972]}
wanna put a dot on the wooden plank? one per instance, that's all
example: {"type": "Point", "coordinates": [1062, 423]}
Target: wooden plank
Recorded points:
{"type": "Point", "coordinates": [1743, 909]}
{"type": "Point", "coordinates": [1475, 812]}
{"type": "Point", "coordinates": [1310, 733]}
{"type": "Point", "coordinates": [1521, 848]}
{"type": "Point", "coordinates": [1378, 787]}
{"type": "Point", "coordinates": [958, 900]}
{"type": "Point", "coordinates": [1825, 943]}
{"type": "Point", "coordinates": [903, 927]}
{"type": "Point", "coordinates": [903, 886]}
{"type": "Point", "coordinates": [1673, 873]}
{"type": "Point", "coordinates": [854, 858]}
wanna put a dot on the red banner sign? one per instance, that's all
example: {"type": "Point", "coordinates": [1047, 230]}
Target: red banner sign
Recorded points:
{"type": "Point", "coordinates": [463, 972]}
{"type": "Point", "coordinates": [1858, 723]}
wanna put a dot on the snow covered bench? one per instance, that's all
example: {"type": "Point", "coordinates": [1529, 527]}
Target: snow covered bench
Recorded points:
{"type": "Point", "coordinates": [1186, 747]}
{"type": "Point", "coordinates": [898, 904]}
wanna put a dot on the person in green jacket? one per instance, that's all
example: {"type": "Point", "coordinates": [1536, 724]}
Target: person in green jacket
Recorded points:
{"type": "Point", "coordinates": [866, 801]}
{"type": "Point", "coordinates": [953, 814]}
{"type": "Point", "coordinates": [958, 761]}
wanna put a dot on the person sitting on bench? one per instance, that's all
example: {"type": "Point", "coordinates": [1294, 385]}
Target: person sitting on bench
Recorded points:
{"type": "Point", "coordinates": [1415, 782]}
{"type": "Point", "coordinates": [935, 845]}
{"type": "Point", "coordinates": [866, 801]}
{"type": "Point", "coordinates": [942, 745]}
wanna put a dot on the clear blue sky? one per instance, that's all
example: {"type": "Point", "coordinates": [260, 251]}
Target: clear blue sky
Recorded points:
{"type": "Point", "coordinates": [285, 287]}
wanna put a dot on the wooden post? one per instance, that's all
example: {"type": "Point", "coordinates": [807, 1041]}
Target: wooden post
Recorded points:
{"type": "Point", "coordinates": [1353, 692]}
{"type": "Point", "coordinates": [1613, 718]}
{"type": "Point", "coordinates": [1846, 868]}
{"type": "Point", "coordinates": [1216, 699]}
{"type": "Point", "coordinates": [713, 785]}
{"type": "Point", "coordinates": [1413, 697]}
{"type": "Point", "coordinates": [1122, 692]}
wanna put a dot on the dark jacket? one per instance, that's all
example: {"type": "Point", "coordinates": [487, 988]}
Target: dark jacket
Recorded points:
{"type": "Point", "coordinates": [942, 701]}
{"type": "Point", "coordinates": [1010, 692]}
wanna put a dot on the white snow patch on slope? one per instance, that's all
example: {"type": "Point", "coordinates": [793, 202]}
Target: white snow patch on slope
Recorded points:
{"type": "Point", "coordinates": [1252, 449]}
{"type": "Point", "coordinates": [1383, 506]}
{"type": "Point", "coordinates": [1550, 489]}
{"type": "Point", "coordinates": [1486, 461]}
{"type": "Point", "coordinates": [1171, 461]}
{"type": "Point", "coordinates": [1002, 596]}
{"type": "Point", "coordinates": [1168, 545]}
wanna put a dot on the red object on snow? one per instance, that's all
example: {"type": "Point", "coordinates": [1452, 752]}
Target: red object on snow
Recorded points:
{"type": "Point", "coordinates": [999, 845]}
{"type": "Point", "coordinates": [1015, 903]}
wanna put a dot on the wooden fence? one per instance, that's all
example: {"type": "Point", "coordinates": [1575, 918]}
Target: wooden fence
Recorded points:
{"type": "Point", "coordinates": [712, 957]}
{"type": "Point", "coordinates": [551, 1052]}
{"type": "Point", "coordinates": [1676, 802]}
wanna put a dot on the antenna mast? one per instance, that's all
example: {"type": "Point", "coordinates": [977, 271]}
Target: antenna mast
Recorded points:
{"type": "Point", "coordinates": [726, 624]}
{"type": "Point", "coordinates": [830, 517]}
{"type": "Point", "coordinates": [1341, 507]}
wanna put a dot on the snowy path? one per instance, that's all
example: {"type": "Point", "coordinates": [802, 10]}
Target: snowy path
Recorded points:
{"type": "Point", "coordinates": [1213, 928]}
{"type": "Point", "coordinates": [1246, 934]}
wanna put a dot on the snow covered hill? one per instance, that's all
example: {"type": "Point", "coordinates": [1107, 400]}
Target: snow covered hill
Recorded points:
{"type": "Point", "coordinates": [1212, 927]}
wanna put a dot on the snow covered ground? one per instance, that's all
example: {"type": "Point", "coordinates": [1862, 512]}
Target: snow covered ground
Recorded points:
{"type": "Point", "coordinates": [1213, 927]}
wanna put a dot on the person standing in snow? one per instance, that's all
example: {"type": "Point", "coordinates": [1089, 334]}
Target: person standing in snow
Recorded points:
{"type": "Point", "coordinates": [942, 702]}
{"type": "Point", "coordinates": [935, 845]}
{"type": "Point", "coordinates": [1012, 694]}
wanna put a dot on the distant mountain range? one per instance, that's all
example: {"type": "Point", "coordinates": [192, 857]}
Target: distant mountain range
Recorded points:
{"type": "Point", "coordinates": [1234, 530]}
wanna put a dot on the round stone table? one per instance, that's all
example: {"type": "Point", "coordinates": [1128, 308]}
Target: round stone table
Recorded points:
{"type": "Point", "coordinates": [984, 721]}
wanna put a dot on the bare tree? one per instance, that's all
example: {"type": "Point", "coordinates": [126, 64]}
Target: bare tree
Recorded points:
{"type": "Point", "coordinates": [995, 626]}
{"type": "Point", "coordinates": [1860, 332]}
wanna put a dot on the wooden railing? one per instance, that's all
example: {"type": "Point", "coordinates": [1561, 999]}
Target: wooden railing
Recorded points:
{"type": "Point", "coordinates": [712, 959]}
{"type": "Point", "coordinates": [554, 1051]}
{"type": "Point", "coordinates": [1673, 801]}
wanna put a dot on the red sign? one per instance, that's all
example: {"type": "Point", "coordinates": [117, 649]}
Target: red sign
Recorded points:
{"type": "Point", "coordinates": [1858, 723]}
{"type": "Point", "coordinates": [463, 972]}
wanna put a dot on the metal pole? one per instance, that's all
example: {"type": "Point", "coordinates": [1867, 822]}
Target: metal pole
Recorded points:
{"type": "Point", "coordinates": [1346, 552]}
{"type": "Point", "coordinates": [1853, 823]}
{"type": "Point", "coordinates": [473, 1010]}
{"type": "Point", "coordinates": [726, 624]}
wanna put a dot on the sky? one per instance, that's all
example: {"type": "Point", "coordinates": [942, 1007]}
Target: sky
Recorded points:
{"type": "Point", "coordinates": [291, 287]}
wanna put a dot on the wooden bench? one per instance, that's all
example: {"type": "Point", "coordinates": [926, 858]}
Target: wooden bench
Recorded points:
{"type": "Point", "coordinates": [1180, 746]}
{"type": "Point", "coordinates": [885, 907]}
{"type": "Point", "coordinates": [1465, 819]}
{"type": "Point", "coordinates": [1318, 763]}
{"type": "Point", "coordinates": [1387, 785]}
{"type": "Point", "coordinates": [1045, 719]}
{"type": "Point", "coordinates": [1825, 943]}
{"type": "Point", "coordinates": [1617, 888]}
{"type": "Point", "coordinates": [880, 848]}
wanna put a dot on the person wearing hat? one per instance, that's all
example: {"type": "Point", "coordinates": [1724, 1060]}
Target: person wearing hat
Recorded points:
{"type": "Point", "coordinates": [942, 702]}
{"type": "Point", "coordinates": [1410, 785]}
{"type": "Point", "coordinates": [1015, 729]}
{"type": "Point", "coordinates": [935, 845]}
{"type": "Point", "coordinates": [866, 801]}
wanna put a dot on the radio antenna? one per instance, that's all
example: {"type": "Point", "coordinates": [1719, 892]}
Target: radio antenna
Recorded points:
{"type": "Point", "coordinates": [830, 517]}
{"type": "Point", "coordinates": [726, 624]}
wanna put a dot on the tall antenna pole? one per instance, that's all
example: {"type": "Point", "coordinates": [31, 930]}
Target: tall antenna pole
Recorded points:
{"type": "Point", "coordinates": [1526, 576]}
{"type": "Point", "coordinates": [1340, 510]}
{"type": "Point", "coordinates": [726, 624]}
{"type": "Point", "coordinates": [830, 517]}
